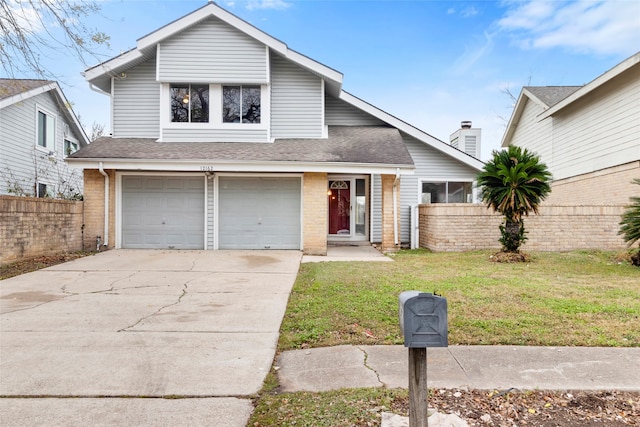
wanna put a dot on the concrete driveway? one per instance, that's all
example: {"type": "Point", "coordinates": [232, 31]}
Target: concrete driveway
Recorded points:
{"type": "Point", "coordinates": [201, 326]}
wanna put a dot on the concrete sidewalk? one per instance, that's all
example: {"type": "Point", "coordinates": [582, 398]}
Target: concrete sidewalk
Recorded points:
{"type": "Point", "coordinates": [478, 367]}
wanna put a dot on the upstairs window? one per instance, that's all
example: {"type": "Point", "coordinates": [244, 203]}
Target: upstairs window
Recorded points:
{"type": "Point", "coordinates": [70, 147]}
{"type": "Point", "coordinates": [190, 103]}
{"type": "Point", "coordinates": [446, 192]}
{"type": "Point", "coordinates": [241, 104]}
{"type": "Point", "coordinates": [46, 130]}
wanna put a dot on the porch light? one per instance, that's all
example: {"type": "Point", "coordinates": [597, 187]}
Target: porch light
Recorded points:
{"type": "Point", "coordinates": [185, 100]}
{"type": "Point", "coordinates": [328, 192]}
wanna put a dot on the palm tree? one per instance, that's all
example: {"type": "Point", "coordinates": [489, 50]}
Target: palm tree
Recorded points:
{"type": "Point", "coordinates": [514, 182]}
{"type": "Point", "coordinates": [630, 225]}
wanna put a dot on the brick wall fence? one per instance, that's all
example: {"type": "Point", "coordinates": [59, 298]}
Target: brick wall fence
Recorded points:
{"type": "Point", "coordinates": [32, 227]}
{"type": "Point", "coordinates": [462, 227]}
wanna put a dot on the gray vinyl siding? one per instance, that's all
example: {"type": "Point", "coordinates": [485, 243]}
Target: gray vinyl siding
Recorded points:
{"type": "Point", "coordinates": [214, 135]}
{"type": "Point", "coordinates": [340, 113]}
{"type": "Point", "coordinates": [296, 101]}
{"type": "Point", "coordinates": [212, 51]}
{"type": "Point", "coordinates": [136, 103]}
{"type": "Point", "coordinates": [210, 214]}
{"type": "Point", "coordinates": [19, 157]}
{"type": "Point", "coordinates": [430, 164]}
{"type": "Point", "coordinates": [376, 208]}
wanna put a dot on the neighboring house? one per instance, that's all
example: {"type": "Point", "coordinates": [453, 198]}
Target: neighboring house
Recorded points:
{"type": "Point", "coordinates": [224, 138]}
{"type": "Point", "coordinates": [589, 136]}
{"type": "Point", "coordinates": [38, 130]}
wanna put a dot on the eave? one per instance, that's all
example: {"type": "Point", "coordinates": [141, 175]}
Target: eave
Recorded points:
{"type": "Point", "coordinates": [197, 165]}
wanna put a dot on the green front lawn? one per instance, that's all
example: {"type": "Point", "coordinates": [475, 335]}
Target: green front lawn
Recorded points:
{"type": "Point", "coordinates": [580, 298]}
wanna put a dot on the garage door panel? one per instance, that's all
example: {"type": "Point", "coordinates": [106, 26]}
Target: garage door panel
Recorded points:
{"type": "Point", "coordinates": [163, 212]}
{"type": "Point", "coordinates": [259, 213]}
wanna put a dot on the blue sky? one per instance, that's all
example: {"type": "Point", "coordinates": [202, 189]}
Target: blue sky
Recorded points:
{"type": "Point", "coordinates": [430, 63]}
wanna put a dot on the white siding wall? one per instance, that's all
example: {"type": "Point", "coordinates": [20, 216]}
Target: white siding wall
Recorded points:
{"type": "Point", "coordinates": [533, 135]}
{"type": "Point", "coordinates": [215, 135]}
{"type": "Point", "coordinates": [136, 103]}
{"type": "Point", "coordinates": [296, 101]}
{"type": "Point", "coordinates": [212, 51]}
{"type": "Point", "coordinates": [599, 131]}
{"type": "Point", "coordinates": [376, 208]}
{"type": "Point", "coordinates": [19, 157]}
{"type": "Point", "coordinates": [340, 113]}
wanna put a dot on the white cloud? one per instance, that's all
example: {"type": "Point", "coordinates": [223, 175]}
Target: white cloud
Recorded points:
{"type": "Point", "coordinates": [267, 4]}
{"type": "Point", "coordinates": [469, 12]}
{"type": "Point", "coordinates": [451, 11]}
{"type": "Point", "coordinates": [472, 54]}
{"type": "Point", "coordinates": [600, 27]}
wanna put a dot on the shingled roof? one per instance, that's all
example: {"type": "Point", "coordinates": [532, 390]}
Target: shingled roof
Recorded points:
{"type": "Point", "coordinates": [345, 144]}
{"type": "Point", "coordinates": [551, 95]}
{"type": "Point", "coordinates": [11, 87]}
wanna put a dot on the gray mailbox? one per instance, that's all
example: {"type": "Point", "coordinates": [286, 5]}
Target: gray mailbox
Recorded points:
{"type": "Point", "coordinates": [423, 319]}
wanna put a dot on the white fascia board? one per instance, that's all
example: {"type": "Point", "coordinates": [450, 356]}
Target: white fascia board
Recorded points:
{"type": "Point", "coordinates": [27, 94]}
{"type": "Point", "coordinates": [594, 84]}
{"type": "Point", "coordinates": [214, 166]}
{"type": "Point", "coordinates": [412, 131]}
{"type": "Point", "coordinates": [515, 117]}
{"type": "Point", "coordinates": [210, 9]}
{"type": "Point", "coordinates": [315, 66]}
{"type": "Point", "coordinates": [66, 105]}
{"type": "Point", "coordinates": [106, 68]}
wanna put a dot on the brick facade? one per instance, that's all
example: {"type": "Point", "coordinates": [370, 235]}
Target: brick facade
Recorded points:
{"type": "Point", "coordinates": [94, 208]}
{"type": "Point", "coordinates": [315, 205]}
{"type": "Point", "coordinates": [388, 231]}
{"type": "Point", "coordinates": [610, 186]}
{"type": "Point", "coordinates": [462, 227]}
{"type": "Point", "coordinates": [31, 227]}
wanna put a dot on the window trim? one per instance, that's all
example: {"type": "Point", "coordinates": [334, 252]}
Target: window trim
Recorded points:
{"type": "Point", "coordinates": [215, 109]}
{"type": "Point", "coordinates": [71, 140]}
{"type": "Point", "coordinates": [49, 145]}
{"type": "Point", "coordinates": [446, 181]}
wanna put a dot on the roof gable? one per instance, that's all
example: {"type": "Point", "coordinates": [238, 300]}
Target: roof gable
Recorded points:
{"type": "Point", "coordinates": [101, 74]}
{"type": "Point", "coordinates": [13, 91]}
{"type": "Point", "coordinates": [555, 98]}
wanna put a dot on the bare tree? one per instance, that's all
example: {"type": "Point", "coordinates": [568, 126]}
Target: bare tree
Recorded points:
{"type": "Point", "coordinates": [32, 29]}
{"type": "Point", "coordinates": [97, 130]}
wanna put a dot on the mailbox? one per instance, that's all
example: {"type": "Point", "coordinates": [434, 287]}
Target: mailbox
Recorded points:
{"type": "Point", "coordinates": [423, 319]}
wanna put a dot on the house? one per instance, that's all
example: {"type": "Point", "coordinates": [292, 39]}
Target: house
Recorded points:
{"type": "Point", "coordinates": [38, 130]}
{"type": "Point", "coordinates": [224, 138]}
{"type": "Point", "coordinates": [589, 136]}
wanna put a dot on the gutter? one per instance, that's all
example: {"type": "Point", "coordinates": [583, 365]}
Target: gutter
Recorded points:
{"type": "Point", "coordinates": [395, 207]}
{"type": "Point", "coordinates": [106, 204]}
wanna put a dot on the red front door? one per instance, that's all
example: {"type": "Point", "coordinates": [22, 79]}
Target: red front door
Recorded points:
{"type": "Point", "coordinates": [339, 207]}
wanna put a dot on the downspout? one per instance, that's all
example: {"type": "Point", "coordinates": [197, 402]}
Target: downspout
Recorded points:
{"type": "Point", "coordinates": [106, 204]}
{"type": "Point", "coordinates": [395, 207]}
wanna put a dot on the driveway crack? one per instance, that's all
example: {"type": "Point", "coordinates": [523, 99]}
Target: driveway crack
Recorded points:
{"type": "Point", "coordinates": [142, 319]}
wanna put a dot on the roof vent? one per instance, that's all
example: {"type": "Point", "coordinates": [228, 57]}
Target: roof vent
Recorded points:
{"type": "Point", "coordinates": [466, 124]}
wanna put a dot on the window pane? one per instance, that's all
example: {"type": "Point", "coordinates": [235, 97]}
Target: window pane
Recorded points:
{"type": "Point", "coordinates": [42, 129]}
{"type": "Point", "coordinates": [250, 104]}
{"type": "Point", "coordinates": [179, 103]}
{"type": "Point", "coordinates": [42, 190]}
{"type": "Point", "coordinates": [434, 192]}
{"type": "Point", "coordinates": [231, 104]}
{"type": "Point", "coordinates": [199, 103]}
{"type": "Point", "coordinates": [459, 192]}
{"type": "Point", "coordinates": [51, 132]}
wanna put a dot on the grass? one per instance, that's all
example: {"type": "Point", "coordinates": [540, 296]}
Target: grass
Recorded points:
{"type": "Point", "coordinates": [580, 298]}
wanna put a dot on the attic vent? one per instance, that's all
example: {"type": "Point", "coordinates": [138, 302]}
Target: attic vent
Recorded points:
{"type": "Point", "coordinates": [66, 130]}
{"type": "Point", "coordinates": [470, 144]}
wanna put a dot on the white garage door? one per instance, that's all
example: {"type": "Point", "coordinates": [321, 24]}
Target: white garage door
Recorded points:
{"type": "Point", "coordinates": [162, 212]}
{"type": "Point", "coordinates": [259, 213]}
